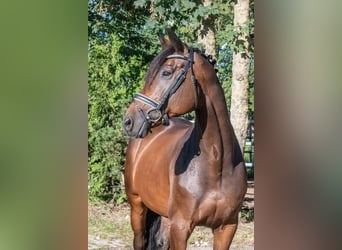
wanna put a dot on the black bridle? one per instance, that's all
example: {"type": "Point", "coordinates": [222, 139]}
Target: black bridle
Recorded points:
{"type": "Point", "coordinates": [157, 112]}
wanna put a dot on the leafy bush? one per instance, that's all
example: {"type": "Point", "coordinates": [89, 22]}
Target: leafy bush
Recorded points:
{"type": "Point", "coordinates": [247, 215]}
{"type": "Point", "coordinates": [113, 79]}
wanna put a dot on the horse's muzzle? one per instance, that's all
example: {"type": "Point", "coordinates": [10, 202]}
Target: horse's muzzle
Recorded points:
{"type": "Point", "coordinates": [138, 128]}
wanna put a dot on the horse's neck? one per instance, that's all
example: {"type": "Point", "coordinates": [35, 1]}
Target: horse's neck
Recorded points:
{"type": "Point", "coordinates": [217, 135]}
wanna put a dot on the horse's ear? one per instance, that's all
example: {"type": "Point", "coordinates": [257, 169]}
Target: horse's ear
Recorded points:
{"type": "Point", "coordinates": [175, 41]}
{"type": "Point", "coordinates": [164, 42]}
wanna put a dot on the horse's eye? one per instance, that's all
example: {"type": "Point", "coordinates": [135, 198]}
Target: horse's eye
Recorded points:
{"type": "Point", "coordinates": [166, 73]}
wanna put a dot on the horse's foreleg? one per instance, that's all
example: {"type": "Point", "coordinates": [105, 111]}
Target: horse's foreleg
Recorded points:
{"type": "Point", "coordinates": [223, 236]}
{"type": "Point", "coordinates": [180, 231]}
{"type": "Point", "coordinates": [138, 221]}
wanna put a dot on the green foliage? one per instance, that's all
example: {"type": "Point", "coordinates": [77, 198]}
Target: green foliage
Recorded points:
{"type": "Point", "coordinates": [247, 215]}
{"type": "Point", "coordinates": [251, 88]}
{"type": "Point", "coordinates": [118, 56]}
{"type": "Point", "coordinates": [112, 83]}
{"type": "Point", "coordinates": [250, 173]}
{"type": "Point", "coordinates": [184, 17]}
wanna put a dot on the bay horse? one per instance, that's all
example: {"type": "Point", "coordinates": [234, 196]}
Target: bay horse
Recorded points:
{"type": "Point", "coordinates": [181, 174]}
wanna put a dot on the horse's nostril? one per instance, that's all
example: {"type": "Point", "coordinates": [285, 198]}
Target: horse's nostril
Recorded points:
{"type": "Point", "coordinates": [128, 122]}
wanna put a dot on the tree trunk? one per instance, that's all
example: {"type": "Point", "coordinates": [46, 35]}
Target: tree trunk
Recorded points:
{"type": "Point", "coordinates": [240, 68]}
{"type": "Point", "coordinates": [207, 33]}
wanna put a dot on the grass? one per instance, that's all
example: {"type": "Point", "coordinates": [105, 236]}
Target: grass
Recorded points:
{"type": "Point", "coordinates": [108, 223]}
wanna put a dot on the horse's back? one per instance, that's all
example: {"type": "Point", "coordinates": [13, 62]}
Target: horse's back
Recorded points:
{"type": "Point", "coordinates": [150, 160]}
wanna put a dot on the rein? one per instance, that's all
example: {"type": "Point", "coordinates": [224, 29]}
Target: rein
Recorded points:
{"type": "Point", "coordinates": [157, 111]}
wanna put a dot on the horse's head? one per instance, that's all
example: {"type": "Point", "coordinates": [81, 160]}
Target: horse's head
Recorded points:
{"type": "Point", "coordinates": [170, 89]}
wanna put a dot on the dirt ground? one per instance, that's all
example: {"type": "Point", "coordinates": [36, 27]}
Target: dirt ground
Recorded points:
{"type": "Point", "coordinates": [109, 228]}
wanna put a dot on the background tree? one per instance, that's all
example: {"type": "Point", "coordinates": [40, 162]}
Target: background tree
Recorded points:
{"type": "Point", "coordinates": [241, 66]}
